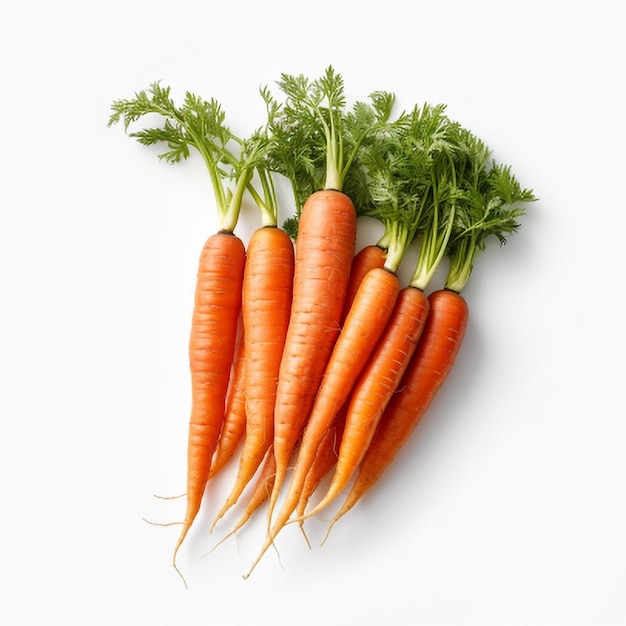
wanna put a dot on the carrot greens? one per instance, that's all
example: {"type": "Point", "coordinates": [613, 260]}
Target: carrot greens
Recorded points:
{"type": "Point", "coordinates": [199, 124]}
{"type": "Point", "coordinates": [492, 201]}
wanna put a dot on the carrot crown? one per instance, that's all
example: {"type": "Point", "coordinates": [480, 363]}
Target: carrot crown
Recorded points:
{"type": "Point", "coordinates": [198, 124]}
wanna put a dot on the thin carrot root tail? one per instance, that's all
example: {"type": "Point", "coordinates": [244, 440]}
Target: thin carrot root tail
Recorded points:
{"type": "Point", "coordinates": [180, 495]}
{"type": "Point", "coordinates": [174, 564]}
{"type": "Point", "coordinates": [269, 542]}
{"type": "Point", "coordinates": [227, 506]}
{"type": "Point", "coordinates": [306, 537]}
{"type": "Point", "coordinates": [227, 536]}
{"type": "Point", "coordinates": [164, 524]}
{"type": "Point", "coordinates": [344, 509]}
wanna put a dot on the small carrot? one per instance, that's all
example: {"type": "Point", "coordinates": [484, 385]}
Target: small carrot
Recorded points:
{"type": "Point", "coordinates": [325, 460]}
{"type": "Point", "coordinates": [490, 205]}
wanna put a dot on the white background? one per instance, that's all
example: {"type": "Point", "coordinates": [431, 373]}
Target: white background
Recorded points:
{"type": "Point", "coordinates": [506, 508]}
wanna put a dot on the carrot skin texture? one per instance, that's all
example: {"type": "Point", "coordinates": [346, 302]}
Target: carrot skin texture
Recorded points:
{"type": "Point", "coordinates": [266, 306]}
{"type": "Point", "coordinates": [364, 260]}
{"type": "Point", "coordinates": [370, 311]}
{"type": "Point", "coordinates": [324, 461]}
{"type": "Point", "coordinates": [323, 257]}
{"type": "Point", "coordinates": [234, 423]}
{"type": "Point", "coordinates": [216, 311]}
{"type": "Point", "coordinates": [434, 357]}
{"type": "Point", "coordinates": [368, 258]}
{"type": "Point", "coordinates": [377, 385]}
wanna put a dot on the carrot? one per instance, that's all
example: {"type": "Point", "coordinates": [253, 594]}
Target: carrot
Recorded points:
{"type": "Point", "coordinates": [200, 124]}
{"type": "Point", "coordinates": [320, 278]}
{"type": "Point", "coordinates": [267, 294]}
{"type": "Point", "coordinates": [376, 385]}
{"type": "Point", "coordinates": [490, 205]}
{"type": "Point", "coordinates": [234, 422]}
{"type": "Point", "coordinates": [437, 350]}
{"type": "Point", "coordinates": [211, 350]}
{"type": "Point", "coordinates": [314, 117]}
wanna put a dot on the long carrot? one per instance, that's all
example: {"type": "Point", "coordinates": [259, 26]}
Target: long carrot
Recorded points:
{"type": "Point", "coordinates": [211, 350]}
{"type": "Point", "coordinates": [489, 206]}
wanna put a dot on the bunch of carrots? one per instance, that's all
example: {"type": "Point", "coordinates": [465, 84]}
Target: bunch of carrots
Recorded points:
{"type": "Point", "coordinates": [310, 358]}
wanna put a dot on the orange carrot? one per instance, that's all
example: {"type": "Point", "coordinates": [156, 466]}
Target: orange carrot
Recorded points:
{"type": "Point", "coordinates": [211, 350]}
{"type": "Point", "coordinates": [234, 422]}
{"type": "Point", "coordinates": [324, 253]}
{"type": "Point", "coordinates": [435, 355]}
{"type": "Point", "coordinates": [267, 295]}
{"type": "Point", "coordinates": [376, 385]}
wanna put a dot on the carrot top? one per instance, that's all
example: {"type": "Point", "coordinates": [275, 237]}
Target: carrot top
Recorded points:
{"type": "Point", "coordinates": [491, 202]}
{"type": "Point", "coordinates": [314, 137]}
{"type": "Point", "coordinates": [412, 186]}
{"type": "Point", "coordinates": [201, 124]}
